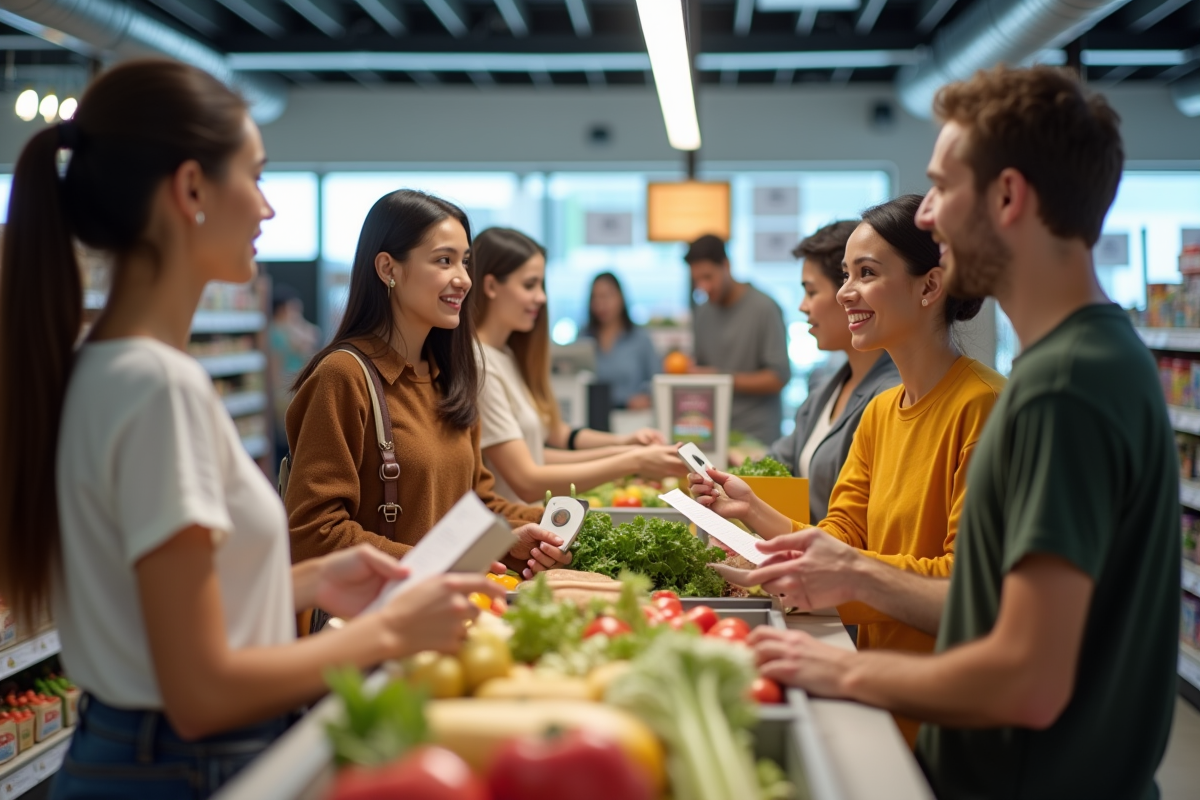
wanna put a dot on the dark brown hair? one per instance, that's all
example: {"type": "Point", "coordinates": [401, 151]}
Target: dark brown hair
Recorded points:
{"type": "Point", "coordinates": [134, 127]}
{"type": "Point", "coordinates": [593, 324]}
{"type": "Point", "coordinates": [1040, 122]}
{"type": "Point", "coordinates": [397, 223]}
{"type": "Point", "coordinates": [827, 247]}
{"type": "Point", "coordinates": [500, 252]}
{"type": "Point", "coordinates": [706, 248]}
{"type": "Point", "coordinates": [896, 222]}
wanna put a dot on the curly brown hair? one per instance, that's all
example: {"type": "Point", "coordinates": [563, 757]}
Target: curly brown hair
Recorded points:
{"type": "Point", "coordinates": [1040, 122]}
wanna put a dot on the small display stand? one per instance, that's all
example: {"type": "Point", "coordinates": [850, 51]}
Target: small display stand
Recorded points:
{"type": "Point", "coordinates": [696, 408]}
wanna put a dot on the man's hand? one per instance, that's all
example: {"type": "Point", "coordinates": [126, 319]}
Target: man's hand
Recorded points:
{"type": "Point", "coordinates": [348, 580]}
{"type": "Point", "coordinates": [824, 568]}
{"type": "Point", "coordinates": [797, 659]}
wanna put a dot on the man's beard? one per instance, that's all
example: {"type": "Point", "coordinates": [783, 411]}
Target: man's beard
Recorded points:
{"type": "Point", "coordinates": [981, 259]}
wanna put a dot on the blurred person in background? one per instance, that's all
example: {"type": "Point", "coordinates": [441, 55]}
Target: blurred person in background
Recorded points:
{"type": "Point", "coordinates": [525, 442]}
{"type": "Point", "coordinates": [625, 357]}
{"type": "Point", "coordinates": [827, 419]}
{"type": "Point", "coordinates": [739, 331]}
{"type": "Point", "coordinates": [292, 341]}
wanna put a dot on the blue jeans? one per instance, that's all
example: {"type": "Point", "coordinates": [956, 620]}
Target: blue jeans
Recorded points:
{"type": "Point", "coordinates": [137, 754]}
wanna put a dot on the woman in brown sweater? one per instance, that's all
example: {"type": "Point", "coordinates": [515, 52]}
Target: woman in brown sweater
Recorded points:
{"type": "Point", "coordinates": [407, 288]}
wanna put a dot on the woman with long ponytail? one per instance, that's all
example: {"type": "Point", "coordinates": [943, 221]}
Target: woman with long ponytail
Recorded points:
{"type": "Point", "coordinates": [127, 504]}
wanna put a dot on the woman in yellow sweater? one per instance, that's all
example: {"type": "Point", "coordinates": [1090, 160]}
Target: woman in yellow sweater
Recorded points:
{"type": "Point", "coordinates": [900, 492]}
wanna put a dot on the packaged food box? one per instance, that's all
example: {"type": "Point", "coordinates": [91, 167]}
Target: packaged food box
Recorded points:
{"type": "Point", "coordinates": [1188, 620]}
{"type": "Point", "coordinates": [1181, 382]}
{"type": "Point", "coordinates": [8, 625]}
{"type": "Point", "coordinates": [24, 730]}
{"type": "Point", "coordinates": [71, 705]}
{"type": "Point", "coordinates": [48, 718]}
{"type": "Point", "coordinates": [8, 739]}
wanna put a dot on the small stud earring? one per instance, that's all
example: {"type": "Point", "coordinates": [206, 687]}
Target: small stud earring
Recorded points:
{"type": "Point", "coordinates": [200, 217]}
{"type": "Point", "coordinates": [924, 302]}
{"type": "Point", "coordinates": [391, 285]}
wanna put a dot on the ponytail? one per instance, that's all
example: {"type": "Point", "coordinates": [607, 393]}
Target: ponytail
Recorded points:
{"type": "Point", "coordinates": [41, 311]}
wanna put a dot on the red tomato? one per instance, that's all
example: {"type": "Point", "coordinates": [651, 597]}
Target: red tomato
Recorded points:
{"type": "Point", "coordinates": [679, 623]}
{"type": "Point", "coordinates": [765, 690]}
{"type": "Point", "coordinates": [663, 593]}
{"type": "Point", "coordinates": [626, 501]}
{"type": "Point", "coordinates": [703, 617]}
{"type": "Point", "coordinates": [668, 603]}
{"type": "Point", "coordinates": [653, 615]}
{"type": "Point", "coordinates": [578, 765]}
{"type": "Point", "coordinates": [427, 773]}
{"type": "Point", "coordinates": [731, 628]}
{"type": "Point", "coordinates": [609, 626]}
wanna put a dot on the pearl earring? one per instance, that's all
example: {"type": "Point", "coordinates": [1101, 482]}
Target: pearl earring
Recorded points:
{"type": "Point", "coordinates": [924, 302]}
{"type": "Point", "coordinates": [200, 217]}
{"type": "Point", "coordinates": [391, 285]}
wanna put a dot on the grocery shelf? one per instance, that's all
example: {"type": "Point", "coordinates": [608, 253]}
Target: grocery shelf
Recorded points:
{"type": "Point", "coordinates": [1179, 339]}
{"type": "Point", "coordinates": [34, 765]}
{"type": "Point", "coordinates": [228, 321]}
{"type": "Point", "coordinates": [1189, 664]}
{"type": "Point", "coordinates": [1185, 420]}
{"type": "Point", "coordinates": [1189, 494]}
{"type": "Point", "coordinates": [27, 653]}
{"type": "Point", "coordinates": [1191, 577]}
{"type": "Point", "coordinates": [234, 363]}
{"type": "Point", "coordinates": [256, 446]}
{"type": "Point", "coordinates": [242, 403]}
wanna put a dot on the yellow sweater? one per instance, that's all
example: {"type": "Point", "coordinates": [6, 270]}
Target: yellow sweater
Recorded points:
{"type": "Point", "coordinates": [900, 492]}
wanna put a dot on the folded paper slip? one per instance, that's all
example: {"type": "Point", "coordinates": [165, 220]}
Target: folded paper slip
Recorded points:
{"type": "Point", "coordinates": [468, 539]}
{"type": "Point", "coordinates": [716, 526]}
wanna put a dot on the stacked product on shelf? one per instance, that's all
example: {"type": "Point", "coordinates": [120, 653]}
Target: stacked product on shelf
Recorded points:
{"type": "Point", "coordinates": [1176, 305]}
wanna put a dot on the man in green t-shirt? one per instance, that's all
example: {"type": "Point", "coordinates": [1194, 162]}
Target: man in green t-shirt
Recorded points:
{"type": "Point", "coordinates": [1054, 675]}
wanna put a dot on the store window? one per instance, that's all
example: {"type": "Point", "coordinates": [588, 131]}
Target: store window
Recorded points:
{"type": "Point", "coordinates": [292, 234]}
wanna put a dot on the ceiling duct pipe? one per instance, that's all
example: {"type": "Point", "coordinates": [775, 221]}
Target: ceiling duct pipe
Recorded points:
{"type": "Point", "coordinates": [992, 32]}
{"type": "Point", "coordinates": [114, 29]}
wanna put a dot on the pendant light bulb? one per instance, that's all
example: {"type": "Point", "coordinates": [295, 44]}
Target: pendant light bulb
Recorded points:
{"type": "Point", "coordinates": [49, 107]}
{"type": "Point", "coordinates": [66, 110]}
{"type": "Point", "coordinates": [27, 105]}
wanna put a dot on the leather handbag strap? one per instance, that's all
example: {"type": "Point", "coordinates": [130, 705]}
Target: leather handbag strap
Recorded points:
{"type": "Point", "coordinates": [389, 470]}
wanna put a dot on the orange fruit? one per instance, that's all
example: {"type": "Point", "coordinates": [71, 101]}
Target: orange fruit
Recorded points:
{"type": "Point", "coordinates": [676, 363]}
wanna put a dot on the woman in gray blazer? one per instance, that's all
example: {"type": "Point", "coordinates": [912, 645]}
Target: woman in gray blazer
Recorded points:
{"type": "Point", "coordinates": [826, 421]}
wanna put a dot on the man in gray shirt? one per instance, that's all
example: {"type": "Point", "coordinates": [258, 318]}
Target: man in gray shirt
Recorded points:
{"type": "Point", "coordinates": [739, 331]}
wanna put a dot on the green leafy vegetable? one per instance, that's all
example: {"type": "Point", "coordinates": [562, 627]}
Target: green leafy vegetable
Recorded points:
{"type": "Point", "coordinates": [542, 624]}
{"type": "Point", "coordinates": [767, 467]}
{"type": "Point", "coordinates": [375, 729]}
{"type": "Point", "coordinates": [665, 552]}
{"type": "Point", "coordinates": [693, 692]}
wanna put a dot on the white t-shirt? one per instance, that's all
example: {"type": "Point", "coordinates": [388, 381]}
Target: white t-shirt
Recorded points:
{"type": "Point", "coordinates": [507, 412]}
{"type": "Point", "coordinates": [819, 432]}
{"type": "Point", "coordinates": [146, 449]}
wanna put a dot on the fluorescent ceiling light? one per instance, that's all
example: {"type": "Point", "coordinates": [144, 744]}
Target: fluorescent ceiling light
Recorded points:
{"type": "Point", "coordinates": [801, 5]}
{"type": "Point", "coordinates": [666, 42]}
{"type": "Point", "coordinates": [440, 62]}
{"type": "Point", "coordinates": [1119, 58]}
{"type": "Point", "coordinates": [812, 59]}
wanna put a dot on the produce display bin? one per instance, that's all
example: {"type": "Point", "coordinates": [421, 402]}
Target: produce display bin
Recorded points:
{"type": "Point", "coordinates": [299, 766]}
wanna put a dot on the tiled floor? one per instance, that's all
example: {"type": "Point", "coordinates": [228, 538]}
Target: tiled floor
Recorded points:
{"type": "Point", "coordinates": [1179, 775]}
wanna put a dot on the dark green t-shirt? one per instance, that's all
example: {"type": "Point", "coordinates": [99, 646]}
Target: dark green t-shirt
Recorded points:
{"type": "Point", "coordinates": [1077, 460]}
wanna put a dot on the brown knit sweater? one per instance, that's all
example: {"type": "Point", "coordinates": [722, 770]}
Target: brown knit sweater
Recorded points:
{"type": "Point", "coordinates": [334, 492]}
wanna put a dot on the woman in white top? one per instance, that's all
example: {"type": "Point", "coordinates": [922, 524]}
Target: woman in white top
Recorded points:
{"type": "Point", "coordinates": [525, 442]}
{"type": "Point", "coordinates": [127, 501]}
{"type": "Point", "coordinates": [827, 420]}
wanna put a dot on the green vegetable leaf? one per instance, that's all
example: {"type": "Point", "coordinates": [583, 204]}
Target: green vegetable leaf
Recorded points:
{"type": "Point", "coordinates": [765, 468]}
{"type": "Point", "coordinates": [379, 728]}
{"type": "Point", "coordinates": [541, 624]}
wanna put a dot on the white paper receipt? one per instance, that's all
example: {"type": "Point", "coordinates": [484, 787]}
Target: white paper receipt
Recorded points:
{"type": "Point", "coordinates": [716, 526]}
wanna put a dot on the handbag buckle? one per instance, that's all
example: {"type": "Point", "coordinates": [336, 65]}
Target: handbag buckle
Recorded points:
{"type": "Point", "coordinates": [389, 471]}
{"type": "Point", "coordinates": [390, 511]}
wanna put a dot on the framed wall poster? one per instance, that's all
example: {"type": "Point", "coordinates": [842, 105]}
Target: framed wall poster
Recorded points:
{"type": "Point", "coordinates": [695, 408]}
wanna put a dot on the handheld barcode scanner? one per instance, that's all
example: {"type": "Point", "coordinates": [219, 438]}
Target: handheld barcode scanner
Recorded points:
{"type": "Point", "coordinates": [564, 516]}
{"type": "Point", "coordinates": [695, 460]}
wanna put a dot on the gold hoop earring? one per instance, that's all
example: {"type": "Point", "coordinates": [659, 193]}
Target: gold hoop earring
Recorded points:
{"type": "Point", "coordinates": [391, 285]}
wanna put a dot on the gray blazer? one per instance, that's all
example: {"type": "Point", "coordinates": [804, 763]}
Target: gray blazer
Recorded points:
{"type": "Point", "coordinates": [831, 454]}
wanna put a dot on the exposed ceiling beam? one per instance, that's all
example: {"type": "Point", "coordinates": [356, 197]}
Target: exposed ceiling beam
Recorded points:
{"type": "Point", "coordinates": [388, 14]}
{"type": "Point", "coordinates": [451, 14]}
{"type": "Point", "coordinates": [806, 20]}
{"type": "Point", "coordinates": [581, 20]}
{"type": "Point", "coordinates": [203, 15]}
{"type": "Point", "coordinates": [516, 16]}
{"type": "Point", "coordinates": [1140, 15]}
{"type": "Point", "coordinates": [743, 14]}
{"type": "Point", "coordinates": [1113, 77]}
{"type": "Point", "coordinates": [325, 15]}
{"type": "Point", "coordinates": [261, 14]}
{"type": "Point", "coordinates": [931, 12]}
{"type": "Point", "coordinates": [868, 16]}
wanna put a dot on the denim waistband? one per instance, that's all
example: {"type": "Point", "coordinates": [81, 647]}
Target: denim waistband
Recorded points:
{"type": "Point", "coordinates": [151, 732]}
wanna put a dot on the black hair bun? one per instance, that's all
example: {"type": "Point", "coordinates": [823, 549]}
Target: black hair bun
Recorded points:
{"type": "Point", "coordinates": [961, 310]}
